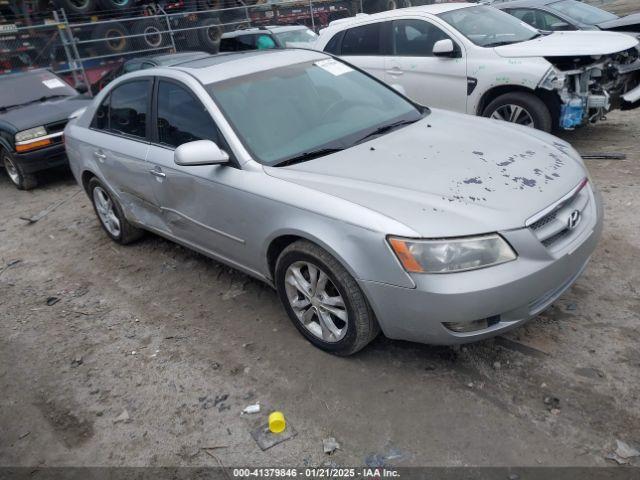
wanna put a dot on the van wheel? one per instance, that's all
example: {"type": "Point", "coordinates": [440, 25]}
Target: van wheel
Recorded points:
{"type": "Point", "coordinates": [113, 35]}
{"type": "Point", "coordinates": [152, 36]}
{"type": "Point", "coordinates": [522, 108]}
{"type": "Point", "coordinates": [110, 214]}
{"type": "Point", "coordinates": [209, 33]}
{"type": "Point", "coordinates": [323, 300]}
{"type": "Point", "coordinates": [22, 181]}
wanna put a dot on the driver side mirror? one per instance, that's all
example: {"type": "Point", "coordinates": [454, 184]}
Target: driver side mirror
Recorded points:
{"type": "Point", "coordinates": [560, 26]}
{"type": "Point", "coordinates": [200, 152]}
{"type": "Point", "coordinates": [444, 48]}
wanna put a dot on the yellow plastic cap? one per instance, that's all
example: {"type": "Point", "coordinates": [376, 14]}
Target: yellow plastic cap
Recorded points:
{"type": "Point", "coordinates": [277, 423]}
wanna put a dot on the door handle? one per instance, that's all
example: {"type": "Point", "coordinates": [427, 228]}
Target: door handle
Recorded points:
{"type": "Point", "coordinates": [157, 173]}
{"type": "Point", "coordinates": [99, 155]}
{"type": "Point", "coordinates": [395, 71]}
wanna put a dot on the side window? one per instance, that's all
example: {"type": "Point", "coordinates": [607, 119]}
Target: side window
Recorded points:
{"type": "Point", "coordinates": [334, 44]}
{"type": "Point", "coordinates": [265, 42]}
{"type": "Point", "coordinates": [182, 118]}
{"type": "Point", "coordinates": [527, 15]}
{"type": "Point", "coordinates": [549, 21]}
{"type": "Point", "coordinates": [128, 108]}
{"type": "Point", "coordinates": [245, 42]}
{"type": "Point", "coordinates": [101, 118]}
{"type": "Point", "coordinates": [363, 40]}
{"type": "Point", "coordinates": [415, 38]}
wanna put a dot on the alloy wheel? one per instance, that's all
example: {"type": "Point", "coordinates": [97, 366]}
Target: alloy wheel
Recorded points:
{"type": "Point", "coordinates": [514, 114]}
{"type": "Point", "coordinates": [106, 211]}
{"type": "Point", "coordinates": [152, 36]}
{"type": "Point", "coordinates": [316, 301]}
{"type": "Point", "coordinates": [12, 171]}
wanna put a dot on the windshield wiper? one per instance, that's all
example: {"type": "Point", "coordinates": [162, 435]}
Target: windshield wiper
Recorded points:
{"type": "Point", "coordinates": [35, 100]}
{"type": "Point", "coordinates": [385, 129]}
{"type": "Point", "coordinates": [310, 155]}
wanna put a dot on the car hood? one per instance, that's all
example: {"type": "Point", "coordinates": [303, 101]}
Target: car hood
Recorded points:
{"type": "Point", "coordinates": [42, 113]}
{"type": "Point", "coordinates": [632, 21]}
{"type": "Point", "coordinates": [448, 174]}
{"type": "Point", "coordinates": [566, 44]}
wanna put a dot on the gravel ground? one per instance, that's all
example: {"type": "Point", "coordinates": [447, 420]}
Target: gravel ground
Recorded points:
{"type": "Point", "coordinates": [146, 354]}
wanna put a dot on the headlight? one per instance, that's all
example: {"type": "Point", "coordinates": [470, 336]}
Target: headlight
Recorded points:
{"type": "Point", "coordinates": [553, 80]}
{"type": "Point", "coordinates": [30, 134]}
{"type": "Point", "coordinates": [451, 254]}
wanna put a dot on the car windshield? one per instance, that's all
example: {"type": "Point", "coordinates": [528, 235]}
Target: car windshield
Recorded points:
{"type": "Point", "coordinates": [582, 12]}
{"type": "Point", "coordinates": [301, 36]}
{"type": "Point", "coordinates": [299, 111]}
{"type": "Point", "coordinates": [20, 89]}
{"type": "Point", "coordinates": [489, 27]}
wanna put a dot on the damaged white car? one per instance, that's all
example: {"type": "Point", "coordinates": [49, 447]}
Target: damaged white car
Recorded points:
{"type": "Point", "coordinates": [479, 60]}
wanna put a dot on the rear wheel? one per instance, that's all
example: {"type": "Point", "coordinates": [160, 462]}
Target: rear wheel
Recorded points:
{"type": "Point", "coordinates": [323, 300]}
{"type": "Point", "coordinates": [83, 7]}
{"type": "Point", "coordinates": [209, 34]}
{"type": "Point", "coordinates": [114, 37]}
{"type": "Point", "coordinates": [22, 181]}
{"type": "Point", "coordinates": [152, 35]}
{"type": "Point", "coordinates": [110, 214]}
{"type": "Point", "coordinates": [522, 108]}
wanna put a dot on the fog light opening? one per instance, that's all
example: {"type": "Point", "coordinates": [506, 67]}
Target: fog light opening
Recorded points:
{"type": "Point", "coordinates": [472, 326]}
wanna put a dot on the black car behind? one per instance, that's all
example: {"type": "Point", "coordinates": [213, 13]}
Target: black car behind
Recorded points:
{"type": "Point", "coordinates": [34, 109]}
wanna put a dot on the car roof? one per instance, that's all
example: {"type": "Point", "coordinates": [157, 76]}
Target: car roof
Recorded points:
{"type": "Point", "coordinates": [433, 9]}
{"type": "Point", "coordinates": [208, 70]}
{"type": "Point", "coordinates": [524, 3]}
{"type": "Point", "coordinates": [168, 59]}
{"type": "Point", "coordinates": [267, 29]}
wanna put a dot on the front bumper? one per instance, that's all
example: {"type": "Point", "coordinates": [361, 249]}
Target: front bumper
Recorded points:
{"type": "Point", "coordinates": [41, 159]}
{"type": "Point", "coordinates": [513, 292]}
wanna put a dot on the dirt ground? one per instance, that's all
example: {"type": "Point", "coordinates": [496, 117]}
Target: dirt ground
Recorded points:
{"type": "Point", "coordinates": [152, 351]}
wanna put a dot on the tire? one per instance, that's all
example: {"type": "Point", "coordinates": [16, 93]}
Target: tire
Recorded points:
{"type": "Point", "coordinates": [209, 34]}
{"type": "Point", "coordinates": [153, 37]}
{"type": "Point", "coordinates": [347, 337]}
{"type": "Point", "coordinates": [126, 232]}
{"type": "Point", "coordinates": [386, 5]}
{"type": "Point", "coordinates": [108, 30]}
{"type": "Point", "coordinates": [533, 110]}
{"type": "Point", "coordinates": [115, 5]}
{"type": "Point", "coordinates": [22, 181]}
{"type": "Point", "coordinates": [81, 7]}
{"type": "Point", "coordinates": [404, 3]}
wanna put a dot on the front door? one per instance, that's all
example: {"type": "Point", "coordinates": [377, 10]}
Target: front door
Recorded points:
{"type": "Point", "coordinates": [198, 203]}
{"type": "Point", "coordinates": [439, 82]}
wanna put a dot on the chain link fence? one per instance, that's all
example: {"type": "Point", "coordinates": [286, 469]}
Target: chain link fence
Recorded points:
{"type": "Point", "coordinates": [89, 49]}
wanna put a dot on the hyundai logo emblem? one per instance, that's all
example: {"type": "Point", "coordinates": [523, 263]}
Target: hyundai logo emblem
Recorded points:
{"type": "Point", "coordinates": [574, 219]}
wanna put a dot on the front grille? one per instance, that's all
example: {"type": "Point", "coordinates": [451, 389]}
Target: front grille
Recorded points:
{"type": "Point", "coordinates": [55, 127]}
{"type": "Point", "coordinates": [553, 230]}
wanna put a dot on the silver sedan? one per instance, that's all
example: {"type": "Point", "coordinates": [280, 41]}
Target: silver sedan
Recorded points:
{"type": "Point", "coordinates": [364, 210]}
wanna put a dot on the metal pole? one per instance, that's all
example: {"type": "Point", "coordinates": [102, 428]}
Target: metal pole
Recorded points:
{"type": "Point", "coordinates": [166, 18]}
{"type": "Point", "coordinates": [74, 49]}
{"type": "Point", "coordinates": [313, 23]}
{"type": "Point", "coordinates": [361, 7]}
{"type": "Point", "coordinates": [63, 31]}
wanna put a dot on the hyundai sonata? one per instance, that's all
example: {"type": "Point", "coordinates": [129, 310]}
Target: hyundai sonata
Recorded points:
{"type": "Point", "coordinates": [364, 210]}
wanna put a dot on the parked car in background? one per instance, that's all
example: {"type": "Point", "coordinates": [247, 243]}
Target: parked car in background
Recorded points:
{"type": "Point", "coordinates": [262, 38]}
{"type": "Point", "coordinates": [482, 61]}
{"type": "Point", "coordinates": [363, 209]}
{"type": "Point", "coordinates": [34, 109]}
{"type": "Point", "coordinates": [165, 59]}
{"type": "Point", "coordinates": [554, 15]}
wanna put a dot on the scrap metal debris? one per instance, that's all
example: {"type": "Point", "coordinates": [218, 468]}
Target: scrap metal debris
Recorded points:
{"type": "Point", "coordinates": [122, 418]}
{"type": "Point", "coordinates": [623, 453]}
{"type": "Point", "coordinates": [266, 439]}
{"type": "Point", "coordinates": [39, 216]}
{"type": "Point", "coordinates": [255, 408]}
{"type": "Point", "coordinates": [330, 445]}
{"type": "Point", "coordinates": [604, 156]}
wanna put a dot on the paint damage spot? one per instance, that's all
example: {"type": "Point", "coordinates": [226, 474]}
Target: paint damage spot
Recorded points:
{"type": "Point", "coordinates": [472, 180]}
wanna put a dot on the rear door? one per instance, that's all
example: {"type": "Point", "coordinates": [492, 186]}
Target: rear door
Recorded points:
{"type": "Point", "coordinates": [120, 143]}
{"type": "Point", "coordinates": [439, 82]}
{"type": "Point", "coordinates": [366, 45]}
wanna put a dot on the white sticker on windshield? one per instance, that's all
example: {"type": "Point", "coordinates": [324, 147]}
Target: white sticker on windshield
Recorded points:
{"type": "Point", "coordinates": [53, 83]}
{"type": "Point", "coordinates": [333, 67]}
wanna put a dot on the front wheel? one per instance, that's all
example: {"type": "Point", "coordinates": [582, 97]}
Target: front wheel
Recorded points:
{"type": "Point", "coordinates": [323, 300]}
{"type": "Point", "coordinates": [522, 108]}
{"type": "Point", "coordinates": [110, 214]}
{"type": "Point", "coordinates": [22, 181]}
